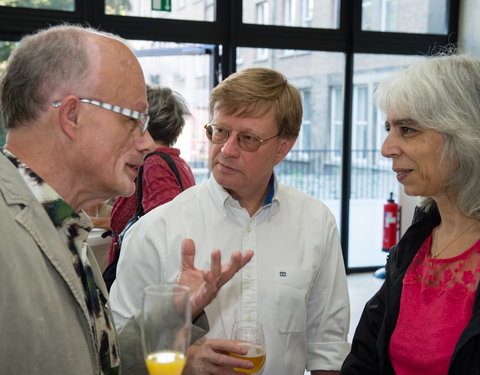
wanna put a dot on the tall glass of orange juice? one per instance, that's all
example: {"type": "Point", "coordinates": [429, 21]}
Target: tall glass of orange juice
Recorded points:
{"type": "Point", "coordinates": [166, 326]}
{"type": "Point", "coordinates": [250, 335]}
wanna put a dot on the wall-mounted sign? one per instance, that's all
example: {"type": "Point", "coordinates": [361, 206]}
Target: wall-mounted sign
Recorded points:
{"type": "Point", "coordinates": [163, 5]}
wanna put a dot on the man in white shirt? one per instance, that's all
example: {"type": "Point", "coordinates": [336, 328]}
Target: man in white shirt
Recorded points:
{"type": "Point", "coordinates": [295, 285]}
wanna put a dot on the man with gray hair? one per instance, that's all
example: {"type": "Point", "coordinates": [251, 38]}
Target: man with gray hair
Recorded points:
{"type": "Point", "coordinates": [74, 105]}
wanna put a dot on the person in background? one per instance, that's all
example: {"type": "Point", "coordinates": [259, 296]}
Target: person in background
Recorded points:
{"type": "Point", "coordinates": [167, 111]}
{"type": "Point", "coordinates": [424, 319]}
{"type": "Point", "coordinates": [100, 214]}
{"type": "Point", "coordinates": [295, 285]}
{"type": "Point", "coordinates": [74, 106]}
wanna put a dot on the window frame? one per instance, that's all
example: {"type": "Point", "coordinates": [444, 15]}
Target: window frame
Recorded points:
{"type": "Point", "coordinates": [227, 32]}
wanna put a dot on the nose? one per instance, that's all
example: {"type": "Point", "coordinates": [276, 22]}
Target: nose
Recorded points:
{"type": "Point", "coordinates": [145, 143]}
{"type": "Point", "coordinates": [231, 147]}
{"type": "Point", "coordinates": [390, 147]}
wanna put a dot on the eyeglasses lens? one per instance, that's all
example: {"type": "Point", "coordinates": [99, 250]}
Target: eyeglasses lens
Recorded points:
{"type": "Point", "coordinates": [220, 135]}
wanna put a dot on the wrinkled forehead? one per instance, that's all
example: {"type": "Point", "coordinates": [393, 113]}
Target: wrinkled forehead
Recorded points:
{"type": "Point", "coordinates": [242, 120]}
{"type": "Point", "coordinates": [240, 109]}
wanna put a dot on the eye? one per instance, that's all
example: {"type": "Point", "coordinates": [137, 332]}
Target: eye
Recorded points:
{"type": "Point", "coordinates": [387, 127]}
{"type": "Point", "coordinates": [219, 131]}
{"type": "Point", "coordinates": [218, 134]}
{"type": "Point", "coordinates": [247, 138]}
{"type": "Point", "coordinates": [406, 130]}
{"type": "Point", "coordinates": [133, 123]}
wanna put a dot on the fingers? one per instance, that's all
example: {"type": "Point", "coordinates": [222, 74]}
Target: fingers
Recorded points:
{"type": "Point", "coordinates": [213, 357]}
{"type": "Point", "coordinates": [222, 348]}
{"type": "Point", "coordinates": [210, 276]}
{"type": "Point", "coordinates": [221, 274]}
{"type": "Point", "coordinates": [237, 261]}
{"type": "Point", "coordinates": [216, 265]}
{"type": "Point", "coordinates": [188, 254]}
{"type": "Point", "coordinates": [213, 279]}
{"type": "Point", "coordinates": [246, 257]}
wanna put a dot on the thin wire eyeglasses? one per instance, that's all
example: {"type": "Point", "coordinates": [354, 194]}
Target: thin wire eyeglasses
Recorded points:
{"type": "Point", "coordinates": [218, 135]}
{"type": "Point", "coordinates": [142, 118]}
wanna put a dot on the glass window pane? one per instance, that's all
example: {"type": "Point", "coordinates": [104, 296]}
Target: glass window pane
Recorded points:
{"type": "Point", "coordinates": [303, 140]}
{"type": "Point", "coordinates": [314, 165]}
{"type": "Point", "coordinates": [262, 14]}
{"type": "Point", "coordinates": [372, 179]}
{"type": "Point", "coordinates": [405, 16]}
{"type": "Point", "coordinates": [185, 68]}
{"type": "Point", "coordinates": [322, 14]}
{"type": "Point", "coordinates": [67, 5]}
{"type": "Point", "coordinates": [192, 10]}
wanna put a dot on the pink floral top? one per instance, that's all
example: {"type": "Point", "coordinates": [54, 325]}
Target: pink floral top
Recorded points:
{"type": "Point", "coordinates": [435, 307]}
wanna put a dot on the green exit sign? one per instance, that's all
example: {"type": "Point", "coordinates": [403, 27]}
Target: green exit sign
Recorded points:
{"type": "Point", "coordinates": [163, 5]}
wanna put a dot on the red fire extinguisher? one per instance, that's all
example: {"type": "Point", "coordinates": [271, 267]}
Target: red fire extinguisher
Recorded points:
{"type": "Point", "coordinates": [391, 221]}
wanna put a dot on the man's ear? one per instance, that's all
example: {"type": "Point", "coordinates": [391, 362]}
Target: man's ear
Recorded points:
{"type": "Point", "coordinates": [284, 148]}
{"type": "Point", "coordinates": [68, 115]}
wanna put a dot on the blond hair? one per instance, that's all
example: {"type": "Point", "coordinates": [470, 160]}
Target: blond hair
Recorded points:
{"type": "Point", "coordinates": [253, 92]}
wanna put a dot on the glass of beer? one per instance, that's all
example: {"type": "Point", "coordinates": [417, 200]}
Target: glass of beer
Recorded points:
{"type": "Point", "coordinates": [166, 322]}
{"type": "Point", "coordinates": [249, 334]}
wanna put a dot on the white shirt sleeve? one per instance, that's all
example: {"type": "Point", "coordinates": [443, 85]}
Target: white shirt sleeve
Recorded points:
{"type": "Point", "coordinates": [139, 265]}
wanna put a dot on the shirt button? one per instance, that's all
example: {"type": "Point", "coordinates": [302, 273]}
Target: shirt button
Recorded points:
{"type": "Point", "coordinates": [249, 273]}
{"type": "Point", "coordinates": [249, 229]}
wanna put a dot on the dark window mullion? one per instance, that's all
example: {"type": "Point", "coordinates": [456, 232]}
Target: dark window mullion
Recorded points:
{"type": "Point", "coordinates": [283, 37]}
{"type": "Point", "coordinates": [398, 43]}
{"type": "Point", "coordinates": [350, 21]}
{"type": "Point", "coordinates": [15, 22]}
{"type": "Point", "coordinates": [170, 30]}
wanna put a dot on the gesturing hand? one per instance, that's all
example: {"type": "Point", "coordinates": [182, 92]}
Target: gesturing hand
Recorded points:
{"type": "Point", "coordinates": [204, 285]}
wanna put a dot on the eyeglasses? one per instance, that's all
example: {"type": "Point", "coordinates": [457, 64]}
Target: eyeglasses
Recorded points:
{"type": "Point", "coordinates": [141, 118]}
{"type": "Point", "coordinates": [218, 135]}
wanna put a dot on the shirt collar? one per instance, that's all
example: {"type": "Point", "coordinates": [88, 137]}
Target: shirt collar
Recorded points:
{"type": "Point", "coordinates": [271, 191]}
{"type": "Point", "coordinates": [225, 199]}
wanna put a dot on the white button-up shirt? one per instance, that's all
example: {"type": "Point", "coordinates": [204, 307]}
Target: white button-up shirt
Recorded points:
{"type": "Point", "coordinates": [295, 284]}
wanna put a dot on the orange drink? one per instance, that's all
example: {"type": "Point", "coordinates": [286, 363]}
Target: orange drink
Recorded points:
{"type": "Point", "coordinates": [255, 354]}
{"type": "Point", "coordinates": [165, 323]}
{"type": "Point", "coordinates": [165, 363]}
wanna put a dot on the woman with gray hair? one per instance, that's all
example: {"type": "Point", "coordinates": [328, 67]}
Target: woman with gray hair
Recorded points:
{"type": "Point", "coordinates": [424, 319]}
